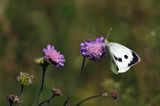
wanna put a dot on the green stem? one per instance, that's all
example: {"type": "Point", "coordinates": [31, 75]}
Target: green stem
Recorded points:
{"type": "Point", "coordinates": [88, 98]}
{"type": "Point", "coordinates": [42, 84]}
{"type": "Point", "coordinates": [79, 75]}
{"type": "Point", "coordinates": [21, 94]}
{"type": "Point", "coordinates": [22, 88]}
{"type": "Point", "coordinates": [47, 100]}
{"type": "Point", "coordinates": [11, 104]}
{"type": "Point", "coordinates": [67, 101]}
{"type": "Point", "coordinates": [76, 83]}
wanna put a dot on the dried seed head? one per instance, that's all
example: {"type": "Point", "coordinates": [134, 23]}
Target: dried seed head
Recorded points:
{"type": "Point", "coordinates": [14, 99]}
{"type": "Point", "coordinates": [56, 92]}
{"type": "Point", "coordinates": [105, 94]}
{"type": "Point", "coordinates": [114, 95]}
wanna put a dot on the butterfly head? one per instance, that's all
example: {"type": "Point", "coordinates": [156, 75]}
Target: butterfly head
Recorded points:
{"type": "Point", "coordinates": [106, 41]}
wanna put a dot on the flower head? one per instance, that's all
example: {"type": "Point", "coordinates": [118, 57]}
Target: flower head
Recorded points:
{"type": "Point", "coordinates": [13, 98]}
{"type": "Point", "coordinates": [53, 56]}
{"type": "Point", "coordinates": [93, 49]}
{"type": "Point", "coordinates": [25, 79]}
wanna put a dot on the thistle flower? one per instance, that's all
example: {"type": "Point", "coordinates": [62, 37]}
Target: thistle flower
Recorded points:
{"type": "Point", "coordinates": [13, 99]}
{"type": "Point", "coordinates": [93, 49]}
{"type": "Point", "coordinates": [25, 79]}
{"type": "Point", "coordinates": [53, 56]}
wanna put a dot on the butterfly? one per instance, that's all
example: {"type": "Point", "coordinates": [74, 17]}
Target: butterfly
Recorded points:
{"type": "Point", "coordinates": [122, 58]}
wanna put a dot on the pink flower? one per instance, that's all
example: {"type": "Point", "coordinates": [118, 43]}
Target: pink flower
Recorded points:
{"type": "Point", "coordinates": [54, 56]}
{"type": "Point", "coordinates": [93, 49]}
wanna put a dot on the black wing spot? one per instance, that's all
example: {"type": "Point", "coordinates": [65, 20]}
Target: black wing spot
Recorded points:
{"type": "Point", "coordinates": [135, 59]}
{"type": "Point", "coordinates": [125, 56]}
{"type": "Point", "coordinates": [120, 59]}
{"type": "Point", "coordinates": [115, 57]}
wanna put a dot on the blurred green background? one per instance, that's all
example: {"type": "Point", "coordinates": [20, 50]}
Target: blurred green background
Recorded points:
{"type": "Point", "coordinates": [27, 26]}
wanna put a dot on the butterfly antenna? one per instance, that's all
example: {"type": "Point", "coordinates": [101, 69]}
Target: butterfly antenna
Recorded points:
{"type": "Point", "coordinates": [109, 32]}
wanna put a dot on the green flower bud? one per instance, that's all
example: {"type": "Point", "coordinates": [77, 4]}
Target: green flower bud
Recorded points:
{"type": "Point", "coordinates": [25, 79]}
{"type": "Point", "coordinates": [41, 61]}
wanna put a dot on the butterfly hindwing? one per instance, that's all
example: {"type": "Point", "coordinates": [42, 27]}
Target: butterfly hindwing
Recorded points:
{"type": "Point", "coordinates": [114, 67]}
{"type": "Point", "coordinates": [122, 57]}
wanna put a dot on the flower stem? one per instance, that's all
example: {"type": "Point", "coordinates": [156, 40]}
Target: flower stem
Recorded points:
{"type": "Point", "coordinates": [67, 101]}
{"type": "Point", "coordinates": [79, 75]}
{"type": "Point", "coordinates": [42, 84]}
{"type": "Point", "coordinates": [76, 83]}
{"type": "Point", "coordinates": [21, 94]}
{"type": "Point", "coordinates": [22, 88]}
{"type": "Point", "coordinates": [47, 100]}
{"type": "Point", "coordinates": [88, 98]}
{"type": "Point", "coordinates": [11, 104]}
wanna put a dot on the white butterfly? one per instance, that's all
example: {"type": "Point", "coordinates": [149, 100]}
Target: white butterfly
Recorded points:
{"type": "Point", "coordinates": [122, 58]}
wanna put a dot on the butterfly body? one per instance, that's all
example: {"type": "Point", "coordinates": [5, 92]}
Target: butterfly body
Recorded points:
{"type": "Point", "coordinates": [122, 58]}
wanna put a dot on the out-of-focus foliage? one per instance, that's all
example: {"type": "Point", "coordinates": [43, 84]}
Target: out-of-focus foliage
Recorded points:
{"type": "Point", "coordinates": [27, 26]}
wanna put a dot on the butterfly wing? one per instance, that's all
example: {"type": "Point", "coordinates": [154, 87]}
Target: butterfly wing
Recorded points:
{"type": "Point", "coordinates": [116, 69]}
{"type": "Point", "coordinates": [122, 57]}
